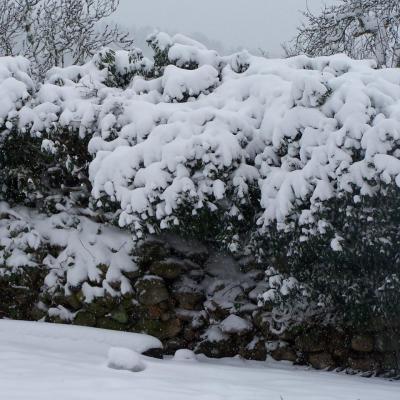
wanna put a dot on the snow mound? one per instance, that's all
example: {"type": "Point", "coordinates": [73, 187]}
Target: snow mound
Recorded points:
{"type": "Point", "coordinates": [42, 372]}
{"type": "Point", "coordinates": [184, 355]}
{"type": "Point", "coordinates": [125, 359]}
{"type": "Point", "coordinates": [75, 338]}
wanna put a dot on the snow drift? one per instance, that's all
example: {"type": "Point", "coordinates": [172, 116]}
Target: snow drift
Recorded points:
{"type": "Point", "coordinates": [66, 338]}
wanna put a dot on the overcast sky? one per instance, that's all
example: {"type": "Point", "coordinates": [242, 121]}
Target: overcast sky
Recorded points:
{"type": "Point", "coordinates": [235, 23]}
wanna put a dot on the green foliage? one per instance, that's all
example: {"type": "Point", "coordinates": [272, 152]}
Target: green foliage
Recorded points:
{"type": "Point", "coordinates": [36, 175]}
{"type": "Point", "coordinates": [23, 167]}
{"type": "Point", "coordinates": [160, 56]}
{"type": "Point", "coordinates": [357, 276]}
{"type": "Point", "coordinates": [122, 66]}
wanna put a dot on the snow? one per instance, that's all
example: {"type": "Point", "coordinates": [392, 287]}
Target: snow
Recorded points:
{"type": "Point", "coordinates": [36, 364]}
{"type": "Point", "coordinates": [291, 126]}
{"type": "Point", "coordinates": [235, 324]}
{"type": "Point", "coordinates": [302, 130]}
{"type": "Point", "coordinates": [184, 355]}
{"type": "Point", "coordinates": [76, 339]}
{"type": "Point", "coordinates": [125, 359]}
{"type": "Point", "coordinates": [203, 130]}
{"type": "Point", "coordinates": [85, 244]}
{"type": "Point", "coordinates": [176, 82]}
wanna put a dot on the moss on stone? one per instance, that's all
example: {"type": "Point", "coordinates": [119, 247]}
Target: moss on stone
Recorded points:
{"type": "Point", "coordinates": [120, 315]}
{"type": "Point", "coordinates": [85, 318]}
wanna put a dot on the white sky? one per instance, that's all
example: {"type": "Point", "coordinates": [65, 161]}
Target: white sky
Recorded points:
{"type": "Point", "coordinates": [235, 23]}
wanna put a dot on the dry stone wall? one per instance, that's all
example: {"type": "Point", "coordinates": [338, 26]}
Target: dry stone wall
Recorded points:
{"type": "Point", "coordinates": [193, 297]}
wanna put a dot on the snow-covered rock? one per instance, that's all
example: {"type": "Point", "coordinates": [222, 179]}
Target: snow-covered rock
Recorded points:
{"type": "Point", "coordinates": [125, 359]}
{"type": "Point", "coordinates": [184, 355]}
{"type": "Point", "coordinates": [235, 324]}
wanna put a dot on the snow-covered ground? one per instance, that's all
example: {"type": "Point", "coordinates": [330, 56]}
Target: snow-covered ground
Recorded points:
{"type": "Point", "coordinates": [47, 362]}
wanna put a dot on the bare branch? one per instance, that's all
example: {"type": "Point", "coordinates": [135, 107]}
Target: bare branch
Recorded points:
{"type": "Point", "coordinates": [359, 28]}
{"type": "Point", "coordinates": [58, 32]}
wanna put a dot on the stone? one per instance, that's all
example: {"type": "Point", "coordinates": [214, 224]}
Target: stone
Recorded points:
{"type": "Point", "coordinates": [217, 344]}
{"type": "Point", "coordinates": [132, 275]}
{"type": "Point", "coordinates": [154, 353]}
{"type": "Point", "coordinates": [189, 316]}
{"type": "Point", "coordinates": [36, 314]}
{"type": "Point", "coordinates": [391, 361]}
{"type": "Point", "coordinates": [215, 310]}
{"type": "Point", "coordinates": [85, 318]}
{"type": "Point", "coordinates": [290, 334]}
{"type": "Point", "coordinates": [196, 274]}
{"type": "Point", "coordinates": [259, 289]}
{"type": "Point", "coordinates": [53, 319]}
{"type": "Point", "coordinates": [109, 323]}
{"type": "Point", "coordinates": [284, 353]}
{"type": "Point", "coordinates": [387, 342]}
{"type": "Point", "coordinates": [215, 286]}
{"type": "Point", "coordinates": [190, 335]}
{"type": "Point", "coordinates": [152, 249]}
{"type": "Point", "coordinates": [261, 321]}
{"type": "Point", "coordinates": [189, 300]}
{"type": "Point", "coordinates": [169, 269]}
{"type": "Point", "coordinates": [235, 325]}
{"type": "Point", "coordinates": [166, 316]}
{"type": "Point", "coordinates": [363, 364]}
{"type": "Point", "coordinates": [337, 340]}
{"type": "Point", "coordinates": [341, 354]}
{"type": "Point", "coordinates": [191, 265]}
{"type": "Point", "coordinates": [116, 285]}
{"type": "Point", "coordinates": [382, 324]}
{"type": "Point", "coordinates": [73, 301]}
{"type": "Point", "coordinates": [98, 308]}
{"type": "Point", "coordinates": [187, 248]}
{"type": "Point", "coordinates": [255, 350]}
{"type": "Point", "coordinates": [247, 263]}
{"type": "Point", "coordinates": [154, 311]}
{"type": "Point", "coordinates": [151, 290]}
{"type": "Point", "coordinates": [311, 341]}
{"type": "Point", "coordinates": [121, 358]}
{"type": "Point", "coordinates": [160, 329]}
{"type": "Point", "coordinates": [130, 305]}
{"type": "Point", "coordinates": [174, 344]}
{"type": "Point", "coordinates": [184, 355]}
{"type": "Point", "coordinates": [120, 315]}
{"type": "Point", "coordinates": [362, 343]}
{"type": "Point", "coordinates": [320, 360]}
{"type": "Point", "coordinates": [255, 275]}
{"type": "Point", "coordinates": [220, 349]}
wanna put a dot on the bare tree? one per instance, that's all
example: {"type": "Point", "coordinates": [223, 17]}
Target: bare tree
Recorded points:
{"type": "Point", "coordinates": [58, 32]}
{"type": "Point", "coordinates": [13, 24]}
{"type": "Point", "coordinates": [9, 26]}
{"type": "Point", "coordinates": [359, 28]}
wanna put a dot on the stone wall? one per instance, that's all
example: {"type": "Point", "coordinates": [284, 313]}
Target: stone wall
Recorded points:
{"type": "Point", "coordinates": [192, 297]}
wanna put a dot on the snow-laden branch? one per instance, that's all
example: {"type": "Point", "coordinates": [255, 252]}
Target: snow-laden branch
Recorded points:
{"type": "Point", "coordinates": [361, 29]}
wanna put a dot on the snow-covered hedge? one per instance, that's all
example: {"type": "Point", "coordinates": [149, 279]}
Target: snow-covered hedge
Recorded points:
{"type": "Point", "coordinates": [242, 150]}
{"type": "Point", "coordinates": [15, 87]}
